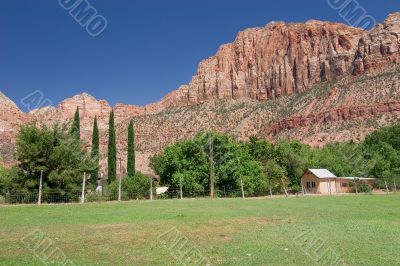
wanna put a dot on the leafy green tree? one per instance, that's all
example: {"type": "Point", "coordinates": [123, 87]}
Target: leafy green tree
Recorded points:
{"type": "Point", "coordinates": [5, 181]}
{"type": "Point", "coordinates": [382, 150]}
{"type": "Point", "coordinates": [187, 162]}
{"type": "Point", "coordinates": [238, 166]}
{"type": "Point", "coordinates": [131, 150]}
{"type": "Point", "coordinates": [58, 154]}
{"type": "Point", "coordinates": [112, 150]}
{"type": "Point", "coordinates": [293, 156]}
{"type": "Point", "coordinates": [277, 176]}
{"type": "Point", "coordinates": [260, 150]}
{"type": "Point", "coordinates": [76, 125]}
{"type": "Point", "coordinates": [95, 152]}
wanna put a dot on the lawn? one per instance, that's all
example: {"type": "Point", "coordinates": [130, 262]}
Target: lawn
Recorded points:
{"type": "Point", "coordinates": [353, 230]}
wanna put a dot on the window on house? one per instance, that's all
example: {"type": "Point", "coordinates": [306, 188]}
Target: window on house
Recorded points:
{"type": "Point", "coordinates": [311, 185]}
{"type": "Point", "coordinates": [345, 185]}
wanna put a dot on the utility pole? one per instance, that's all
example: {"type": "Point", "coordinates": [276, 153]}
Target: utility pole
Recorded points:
{"type": "Point", "coordinates": [83, 188]}
{"type": "Point", "coordinates": [211, 161]}
{"type": "Point", "coordinates": [40, 188]}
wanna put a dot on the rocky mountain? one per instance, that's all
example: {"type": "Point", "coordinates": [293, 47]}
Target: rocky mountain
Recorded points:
{"type": "Point", "coordinates": [317, 82]}
{"type": "Point", "coordinates": [10, 120]}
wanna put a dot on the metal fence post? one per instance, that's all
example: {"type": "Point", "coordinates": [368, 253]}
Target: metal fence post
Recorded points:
{"type": "Point", "coordinates": [40, 188]}
{"type": "Point", "coordinates": [119, 188]}
{"type": "Point", "coordinates": [241, 185]}
{"type": "Point", "coordinates": [83, 188]}
{"type": "Point", "coordinates": [151, 188]}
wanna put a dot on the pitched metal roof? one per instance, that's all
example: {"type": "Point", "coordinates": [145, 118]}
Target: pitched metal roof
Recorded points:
{"type": "Point", "coordinates": [322, 173]}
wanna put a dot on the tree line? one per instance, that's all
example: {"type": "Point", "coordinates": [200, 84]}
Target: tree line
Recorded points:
{"type": "Point", "coordinates": [259, 166]}
{"type": "Point", "coordinates": [57, 154]}
{"type": "Point", "coordinates": [207, 164]}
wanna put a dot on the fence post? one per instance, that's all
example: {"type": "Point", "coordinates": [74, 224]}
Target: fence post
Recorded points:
{"type": "Point", "coordinates": [151, 188]}
{"type": "Point", "coordinates": [83, 188]}
{"type": "Point", "coordinates": [241, 185]}
{"type": "Point", "coordinates": [119, 188]}
{"type": "Point", "coordinates": [387, 188]}
{"type": "Point", "coordinates": [395, 186]}
{"type": "Point", "coordinates": [40, 188]}
{"type": "Point", "coordinates": [180, 186]}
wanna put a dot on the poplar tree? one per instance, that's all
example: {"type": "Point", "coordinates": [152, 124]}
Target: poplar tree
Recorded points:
{"type": "Point", "coordinates": [112, 150]}
{"type": "Point", "coordinates": [76, 125]}
{"type": "Point", "coordinates": [95, 152]}
{"type": "Point", "coordinates": [131, 150]}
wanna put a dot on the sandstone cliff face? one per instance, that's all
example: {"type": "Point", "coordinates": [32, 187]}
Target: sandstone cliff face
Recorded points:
{"type": "Point", "coordinates": [279, 59]}
{"type": "Point", "coordinates": [380, 47]}
{"type": "Point", "coordinates": [10, 120]}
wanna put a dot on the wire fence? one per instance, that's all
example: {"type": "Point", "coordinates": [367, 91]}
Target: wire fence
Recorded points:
{"type": "Point", "coordinates": [32, 197]}
{"type": "Point", "coordinates": [65, 196]}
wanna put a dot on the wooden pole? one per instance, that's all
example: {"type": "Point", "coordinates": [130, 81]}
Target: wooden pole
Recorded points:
{"type": "Point", "coordinates": [119, 188]}
{"type": "Point", "coordinates": [120, 180]}
{"type": "Point", "coordinates": [270, 188]}
{"type": "Point", "coordinates": [387, 188]}
{"type": "Point", "coordinates": [83, 188]}
{"type": "Point", "coordinates": [284, 188]}
{"type": "Point", "coordinates": [330, 187]}
{"type": "Point", "coordinates": [211, 161]}
{"type": "Point", "coordinates": [241, 184]}
{"type": "Point", "coordinates": [151, 188]}
{"type": "Point", "coordinates": [180, 186]}
{"type": "Point", "coordinates": [40, 188]}
{"type": "Point", "coordinates": [302, 187]}
{"type": "Point", "coordinates": [395, 186]}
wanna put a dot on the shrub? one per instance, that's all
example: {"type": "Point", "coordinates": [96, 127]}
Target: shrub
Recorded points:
{"type": "Point", "coordinates": [134, 187]}
{"type": "Point", "coordinates": [95, 197]}
{"type": "Point", "coordinates": [2, 200]}
{"type": "Point", "coordinates": [362, 188]}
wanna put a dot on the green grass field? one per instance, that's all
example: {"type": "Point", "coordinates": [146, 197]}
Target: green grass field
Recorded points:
{"type": "Point", "coordinates": [360, 230]}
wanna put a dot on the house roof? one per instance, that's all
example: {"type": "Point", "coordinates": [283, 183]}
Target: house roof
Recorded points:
{"type": "Point", "coordinates": [322, 173]}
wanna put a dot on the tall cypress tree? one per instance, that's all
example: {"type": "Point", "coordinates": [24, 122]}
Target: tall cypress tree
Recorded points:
{"type": "Point", "coordinates": [95, 152]}
{"type": "Point", "coordinates": [112, 150]}
{"type": "Point", "coordinates": [76, 125]}
{"type": "Point", "coordinates": [131, 150]}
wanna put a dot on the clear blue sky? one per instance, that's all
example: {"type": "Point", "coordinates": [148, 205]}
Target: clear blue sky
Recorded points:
{"type": "Point", "coordinates": [149, 48]}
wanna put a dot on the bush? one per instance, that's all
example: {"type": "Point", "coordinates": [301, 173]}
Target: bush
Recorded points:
{"type": "Point", "coordinates": [362, 188]}
{"type": "Point", "coordinates": [95, 197]}
{"type": "Point", "coordinates": [2, 200]}
{"type": "Point", "coordinates": [132, 187]}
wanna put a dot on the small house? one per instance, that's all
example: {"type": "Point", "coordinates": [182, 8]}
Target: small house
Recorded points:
{"type": "Point", "coordinates": [322, 181]}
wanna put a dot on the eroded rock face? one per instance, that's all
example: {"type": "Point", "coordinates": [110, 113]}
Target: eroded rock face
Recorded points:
{"type": "Point", "coordinates": [379, 48]}
{"type": "Point", "coordinates": [10, 120]}
{"type": "Point", "coordinates": [269, 62]}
